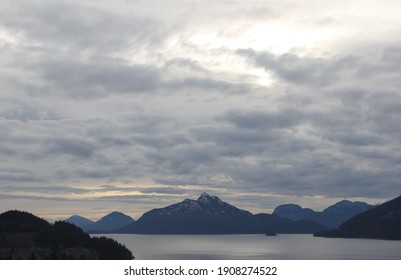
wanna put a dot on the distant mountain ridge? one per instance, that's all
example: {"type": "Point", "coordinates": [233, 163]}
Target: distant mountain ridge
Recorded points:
{"type": "Point", "coordinates": [79, 220]}
{"type": "Point", "coordinates": [332, 217]}
{"type": "Point", "coordinates": [382, 222]}
{"type": "Point", "coordinates": [109, 223]}
{"type": "Point", "coordinates": [210, 215]}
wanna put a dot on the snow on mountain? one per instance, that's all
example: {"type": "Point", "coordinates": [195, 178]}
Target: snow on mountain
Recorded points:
{"type": "Point", "coordinates": [210, 215]}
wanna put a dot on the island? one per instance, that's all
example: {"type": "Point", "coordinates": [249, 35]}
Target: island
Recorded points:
{"type": "Point", "coordinates": [27, 237]}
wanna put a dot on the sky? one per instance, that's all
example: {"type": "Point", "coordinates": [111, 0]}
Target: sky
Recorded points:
{"type": "Point", "coordinates": [129, 105]}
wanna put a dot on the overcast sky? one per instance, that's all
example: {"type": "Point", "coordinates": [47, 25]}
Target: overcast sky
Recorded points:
{"type": "Point", "coordinates": [129, 105]}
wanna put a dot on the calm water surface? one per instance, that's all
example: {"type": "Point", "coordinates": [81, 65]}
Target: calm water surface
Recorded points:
{"type": "Point", "coordinates": [281, 247]}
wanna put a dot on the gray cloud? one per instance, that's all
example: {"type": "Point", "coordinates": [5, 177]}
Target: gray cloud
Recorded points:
{"type": "Point", "coordinates": [44, 189]}
{"type": "Point", "coordinates": [31, 197]}
{"type": "Point", "coordinates": [303, 70]}
{"type": "Point", "coordinates": [70, 146]}
{"type": "Point", "coordinates": [117, 95]}
{"type": "Point", "coordinates": [263, 120]}
{"type": "Point", "coordinates": [99, 78]}
{"type": "Point", "coordinates": [209, 84]}
{"type": "Point", "coordinates": [80, 27]}
{"type": "Point", "coordinates": [18, 176]}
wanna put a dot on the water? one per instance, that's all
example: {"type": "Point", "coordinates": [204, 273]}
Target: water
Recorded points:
{"type": "Point", "coordinates": [243, 247]}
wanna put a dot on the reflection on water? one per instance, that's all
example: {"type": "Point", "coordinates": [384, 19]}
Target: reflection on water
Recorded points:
{"type": "Point", "coordinates": [281, 247]}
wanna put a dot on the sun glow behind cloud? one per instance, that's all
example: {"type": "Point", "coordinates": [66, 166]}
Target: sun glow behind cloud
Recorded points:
{"type": "Point", "coordinates": [215, 49]}
{"type": "Point", "coordinates": [7, 38]}
{"type": "Point", "coordinates": [280, 38]}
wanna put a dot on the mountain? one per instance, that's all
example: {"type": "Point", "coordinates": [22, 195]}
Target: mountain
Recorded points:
{"type": "Point", "coordinates": [294, 212]}
{"type": "Point", "coordinates": [25, 236]}
{"type": "Point", "coordinates": [210, 215]}
{"type": "Point", "coordinates": [342, 211]}
{"type": "Point", "coordinates": [332, 217]}
{"type": "Point", "coordinates": [108, 223]}
{"type": "Point", "coordinates": [79, 221]}
{"type": "Point", "coordinates": [382, 222]}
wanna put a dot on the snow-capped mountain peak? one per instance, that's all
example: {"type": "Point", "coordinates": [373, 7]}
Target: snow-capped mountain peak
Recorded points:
{"type": "Point", "coordinates": [208, 199]}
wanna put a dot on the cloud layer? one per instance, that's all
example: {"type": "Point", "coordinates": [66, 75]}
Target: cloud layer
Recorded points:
{"type": "Point", "coordinates": [138, 104]}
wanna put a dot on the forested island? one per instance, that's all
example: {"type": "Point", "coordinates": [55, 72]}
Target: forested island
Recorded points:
{"type": "Point", "coordinates": [27, 237]}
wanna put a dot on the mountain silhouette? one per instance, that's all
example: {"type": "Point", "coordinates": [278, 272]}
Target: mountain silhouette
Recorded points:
{"type": "Point", "coordinates": [210, 215]}
{"type": "Point", "coordinates": [332, 216]}
{"type": "Point", "coordinates": [79, 220]}
{"type": "Point", "coordinates": [107, 224]}
{"type": "Point", "coordinates": [382, 222]}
